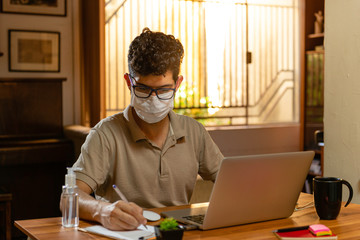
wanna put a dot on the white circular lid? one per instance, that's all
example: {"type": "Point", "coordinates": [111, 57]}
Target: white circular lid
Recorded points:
{"type": "Point", "coordinates": [151, 216]}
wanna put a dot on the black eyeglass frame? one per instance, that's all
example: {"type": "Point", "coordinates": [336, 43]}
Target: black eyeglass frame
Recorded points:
{"type": "Point", "coordinates": [151, 90]}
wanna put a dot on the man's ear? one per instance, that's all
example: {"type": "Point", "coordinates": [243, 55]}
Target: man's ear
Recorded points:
{"type": "Point", "coordinates": [178, 82]}
{"type": "Point", "coordinates": [127, 79]}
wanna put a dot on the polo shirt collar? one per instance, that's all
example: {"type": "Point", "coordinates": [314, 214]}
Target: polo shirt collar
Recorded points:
{"type": "Point", "coordinates": [135, 131]}
{"type": "Point", "coordinates": [178, 130]}
{"type": "Point", "coordinates": [137, 134]}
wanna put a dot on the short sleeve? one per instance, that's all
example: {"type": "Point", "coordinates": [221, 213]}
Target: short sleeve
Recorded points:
{"type": "Point", "coordinates": [94, 160]}
{"type": "Point", "coordinates": [210, 157]}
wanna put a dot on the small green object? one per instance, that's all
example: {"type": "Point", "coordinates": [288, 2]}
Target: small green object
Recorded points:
{"type": "Point", "coordinates": [168, 224]}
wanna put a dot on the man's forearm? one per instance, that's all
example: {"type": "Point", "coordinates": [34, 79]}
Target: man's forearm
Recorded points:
{"type": "Point", "coordinates": [89, 207]}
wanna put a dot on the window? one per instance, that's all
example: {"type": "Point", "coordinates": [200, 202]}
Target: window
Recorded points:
{"type": "Point", "coordinates": [241, 63]}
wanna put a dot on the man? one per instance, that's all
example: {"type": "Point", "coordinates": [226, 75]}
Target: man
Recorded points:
{"type": "Point", "coordinates": [152, 154]}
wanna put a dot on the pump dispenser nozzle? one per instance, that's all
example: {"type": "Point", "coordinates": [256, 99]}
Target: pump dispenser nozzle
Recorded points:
{"type": "Point", "coordinates": [70, 177]}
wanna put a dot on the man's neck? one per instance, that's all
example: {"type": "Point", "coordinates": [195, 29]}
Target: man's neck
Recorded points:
{"type": "Point", "coordinates": [156, 132]}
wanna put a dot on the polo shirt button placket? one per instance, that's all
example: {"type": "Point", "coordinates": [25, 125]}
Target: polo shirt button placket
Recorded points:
{"type": "Point", "coordinates": [163, 168]}
{"type": "Point", "coordinates": [163, 165]}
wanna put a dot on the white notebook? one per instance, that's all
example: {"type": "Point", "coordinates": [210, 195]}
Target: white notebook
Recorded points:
{"type": "Point", "coordinates": [126, 235]}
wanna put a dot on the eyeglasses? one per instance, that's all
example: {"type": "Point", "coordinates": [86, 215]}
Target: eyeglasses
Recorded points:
{"type": "Point", "coordinates": [143, 91]}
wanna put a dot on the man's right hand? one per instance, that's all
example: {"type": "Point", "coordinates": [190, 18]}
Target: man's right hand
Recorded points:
{"type": "Point", "coordinates": [119, 215]}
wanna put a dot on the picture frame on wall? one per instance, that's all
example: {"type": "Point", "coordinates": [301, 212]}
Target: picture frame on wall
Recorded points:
{"type": "Point", "coordinates": [34, 51]}
{"type": "Point", "coordinates": [37, 7]}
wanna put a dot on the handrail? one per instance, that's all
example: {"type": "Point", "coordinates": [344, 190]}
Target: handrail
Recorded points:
{"type": "Point", "coordinates": [120, 4]}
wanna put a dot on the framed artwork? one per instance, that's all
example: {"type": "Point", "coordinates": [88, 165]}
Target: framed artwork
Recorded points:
{"type": "Point", "coordinates": [38, 7]}
{"type": "Point", "coordinates": [34, 51]}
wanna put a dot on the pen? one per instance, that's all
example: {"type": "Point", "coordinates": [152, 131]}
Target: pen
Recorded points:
{"type": "Point", "coordinates": [292, 229]}
{"type": "Point", "coordinates": [122, 197]}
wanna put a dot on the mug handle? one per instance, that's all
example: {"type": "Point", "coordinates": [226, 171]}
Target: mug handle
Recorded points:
{"type": "Point", "coordinates": [350, 191]}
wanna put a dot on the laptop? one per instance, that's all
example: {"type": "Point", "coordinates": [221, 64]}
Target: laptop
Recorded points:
{"type": "Point", "coordinates": [251, 189]}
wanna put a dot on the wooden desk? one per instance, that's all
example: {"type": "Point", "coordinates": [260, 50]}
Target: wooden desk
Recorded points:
{"type": "Point", "coordinates": [346, 226]}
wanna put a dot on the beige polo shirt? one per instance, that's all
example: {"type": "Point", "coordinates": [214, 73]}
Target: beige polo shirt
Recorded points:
{"type": "Point", "coordinates": [117, 152]}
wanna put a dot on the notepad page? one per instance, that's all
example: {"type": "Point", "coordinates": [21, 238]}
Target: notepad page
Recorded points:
{"type": "Point", "coordinates": [126, 235]}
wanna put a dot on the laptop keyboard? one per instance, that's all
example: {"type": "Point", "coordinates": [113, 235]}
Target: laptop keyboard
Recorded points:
{"type": "Point", "coordinates": [195, 218]}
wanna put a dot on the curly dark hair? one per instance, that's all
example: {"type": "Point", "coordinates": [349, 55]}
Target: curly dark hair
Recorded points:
{"type": "Point", "coordinates": [155, 53]}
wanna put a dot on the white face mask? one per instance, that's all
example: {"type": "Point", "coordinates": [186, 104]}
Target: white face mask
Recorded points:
{"type": "Point", "coordinates": [151, 109]}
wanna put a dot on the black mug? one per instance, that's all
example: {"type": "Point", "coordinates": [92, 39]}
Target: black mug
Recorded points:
{"type": "Point", "coordinates": [327, 196]}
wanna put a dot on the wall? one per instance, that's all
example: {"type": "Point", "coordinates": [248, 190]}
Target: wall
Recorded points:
{"type": "Point", "coordinates": [342, 92]}
{"type": "Point", "coordinates": [68, 27]}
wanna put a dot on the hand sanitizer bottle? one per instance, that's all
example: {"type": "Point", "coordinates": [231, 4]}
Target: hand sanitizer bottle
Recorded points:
{"type": "Point", "coordinates": [70, 201]}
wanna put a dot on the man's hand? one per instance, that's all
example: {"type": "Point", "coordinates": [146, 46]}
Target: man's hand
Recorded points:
{"type": "Point", "coordinates": [121, 215]}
